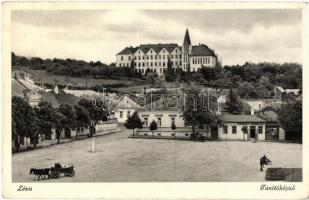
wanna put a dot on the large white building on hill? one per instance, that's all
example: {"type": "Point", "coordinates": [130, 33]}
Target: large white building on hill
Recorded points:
{"type": "Point", "coordinates": [155, 57]}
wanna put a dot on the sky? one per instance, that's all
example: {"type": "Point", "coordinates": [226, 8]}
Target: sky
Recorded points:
{"type": "Point", "coordinates": [237, 36]}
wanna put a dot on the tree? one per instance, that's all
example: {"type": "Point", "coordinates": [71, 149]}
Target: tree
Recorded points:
{"type": "Point", "coordinates": [59, 124]}
{"type": "Point", "coordinates": [82, 118]}
{"type": "Point", "coordinates": [46, 116]}
{"type": "Point", "coordinates": [97, 112]}
{"type": "Point", "coordinates": [290, 117]}
{"type": "Point", "coordinates": [68, 118]}
{"type": "Point", "coordinates": [13, 59]}
{"type": "Point", "coordinates": [24, 122]}
{"type": "Point", "coordinates": [133, 122]}
{"type": "Point", "coordinates": [170, 73]}
{"type": "Point", "coordinates": [246, 90]}
{"type": "Point", "coordinates": [261, 91]}
{"type": "Point", "coordinates": [153, 126]}
{"type": "Point", "coordinates": [132, 64]}
{"type": "Point", "coordinates": [173, 127]}
{"type": "Point", "coordinates": [199, 111]}
{"type": "Point", "coordinates": [198, 77]}
{"type": "Point", "coordinates": [234, 104]}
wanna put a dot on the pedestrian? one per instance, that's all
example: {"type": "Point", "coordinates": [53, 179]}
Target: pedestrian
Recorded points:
{"type": "Point", "coordinates": [263, 161]}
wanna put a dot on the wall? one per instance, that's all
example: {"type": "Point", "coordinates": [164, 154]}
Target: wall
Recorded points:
{"type": "Point", "coordinates": [239, 133]}
{"type": "Point", "coordinates": [125, 62]}
{"type": "Point", "coordinates": [124, 116]}
{"type": "Point", "coordinates": [101, 128]}
{"type": "Point", "coordinates": [165, 117]}
{"type": "Point", "coordinates": [168, 132]}
{"type": "Point", "coordinates": [196, 65]}
{"type": "Point", "coordinates": [281, 134]}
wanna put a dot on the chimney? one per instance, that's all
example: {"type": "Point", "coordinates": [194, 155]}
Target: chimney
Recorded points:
{"type": "Point", "coordinates": [252, 111]}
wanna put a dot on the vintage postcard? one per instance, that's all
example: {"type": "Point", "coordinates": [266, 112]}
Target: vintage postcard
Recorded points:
{"type": "Point", "coordinates": [155, 100]}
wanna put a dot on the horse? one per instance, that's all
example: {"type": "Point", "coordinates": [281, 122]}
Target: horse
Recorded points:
{"type": "Point", "coordinates": [40, 173]}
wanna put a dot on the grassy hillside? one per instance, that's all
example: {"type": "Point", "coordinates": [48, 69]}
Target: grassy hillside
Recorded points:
{"type": "Point", "coordinates": [43, 77]}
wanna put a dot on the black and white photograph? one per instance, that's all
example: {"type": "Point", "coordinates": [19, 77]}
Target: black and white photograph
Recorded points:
{"type": "Point", "coordinates": [135, 95]}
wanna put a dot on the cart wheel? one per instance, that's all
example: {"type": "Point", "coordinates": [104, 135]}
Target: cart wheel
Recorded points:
{"type": "Point", "coordinates": [72, 173]}
{"type": "Point", "coordinates": [52, 174]}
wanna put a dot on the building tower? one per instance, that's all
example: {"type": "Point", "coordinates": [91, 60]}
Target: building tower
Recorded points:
{"type": "Point", "coordinates": [186, 50]}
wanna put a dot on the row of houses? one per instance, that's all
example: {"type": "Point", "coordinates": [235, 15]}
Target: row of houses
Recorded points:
{"type": "Point", "coordinates": [24, 87]}
{"type": "Point", "coordinates": [260, 125]}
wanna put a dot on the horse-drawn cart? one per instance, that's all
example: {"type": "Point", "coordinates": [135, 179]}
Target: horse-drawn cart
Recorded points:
{"type": "Point", "coordinates": [56, 171]}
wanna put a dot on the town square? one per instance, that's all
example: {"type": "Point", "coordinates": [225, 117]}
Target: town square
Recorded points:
{"type": "Point", "coordinates": [172, 104]}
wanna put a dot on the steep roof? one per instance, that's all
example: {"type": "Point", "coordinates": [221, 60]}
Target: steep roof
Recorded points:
{"type": "Point", "coordinates": [187, 40]}
{"type": "Point", "coordinates": [241, 118]}
{"type": "Point", "coordinates": [269, 114]}
{"type": "Point", "coordinates": [158, 47]}
{"type": "Point", "coordinates": [128, 50]}
{"type": "Point", "coordinates": [146, 47]}
{"type": "Point", "coordinates": [127, 103]}
{"type": "Point", "coordinates": [202, 50]}
{"type": "Point", "coordinates": [61, 98]}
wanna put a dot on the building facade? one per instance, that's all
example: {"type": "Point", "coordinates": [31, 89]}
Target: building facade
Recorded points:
{"type": "Point", "coordinates": [241, 127]}
{"type": "Point", "coordinates": [124, 109]}
{"type": "Point", "coordinates": [157, 57]}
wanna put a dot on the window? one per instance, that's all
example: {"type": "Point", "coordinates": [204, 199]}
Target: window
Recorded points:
{"type": "Point", "coordinates": [146, 121]}
{"type": "Point", "coordinates": [150, 51]}
{"type": "Point", "coordinates": [159, 56]}
{"type": "Point", "coordinates": [159, 121]}
{"type": "Point", "coordinates": [172, 57]}
{"type": "Point", "coordinates": [163, 56]}
{"type": "Point", "coordinates": [151, 57]}
{"type": "Point", "coordinates": [119, 64]}
{"type": "Point", "coordinates": [163, 51]}
{"type": "Point", "coordinates": [234, 129]}
{"type": "Point", "coordinates": [121, 58]}
{"type": "Point", "coordinates": [155, 63]}
{"type": "Point", "coordinates": [180, 56]}
{"type": "Point", "coordinates": [179, 62]}
{"type": "Point", "coordinates": [128, 113]}
{"type": "Point", "coordinates": [163, 64]}
{"type": "Point", "coordinates": [147, 57]}
{"type": "Point", "coordinates": [139, 57]}
{"type": "Point", "coordinates": [121, 114]}
{"type": "Point", "coordinates": [129, 57]}
{"type": "Point", "coordinates": [143, 57]}
{"type": "Point", "coordinates": [160, 70]}
{"type": "Point", "coordinates": [139, 64]}
{"type": "Point", "coordinates": [176, 55]}
{"type": "Point", "coordinates": [155, 56]}
{"type": "Point", "coordinates": [143, 64]}
{"type": "Point", "coordinates": [260, 129]}
{"type": "Point", "coordinates": [134, 57]}
{"type": "Point", "coordinates": [225, 129]}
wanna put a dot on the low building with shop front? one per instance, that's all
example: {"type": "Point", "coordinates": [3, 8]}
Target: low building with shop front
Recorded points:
{"type": "Point", "coordinates": [241, 127]}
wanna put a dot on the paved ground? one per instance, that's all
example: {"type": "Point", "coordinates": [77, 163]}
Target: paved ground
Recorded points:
{"type": "Point", "coordinates": [119, 158]}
